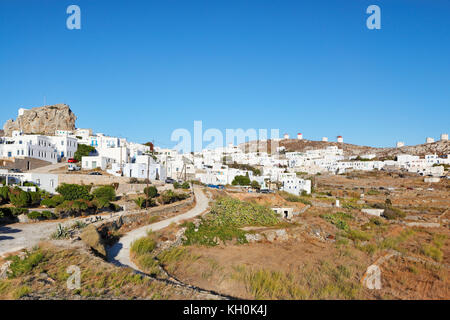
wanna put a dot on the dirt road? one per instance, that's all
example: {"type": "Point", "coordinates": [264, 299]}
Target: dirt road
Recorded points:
{"type": "Point", "coordinates": [119, 253]}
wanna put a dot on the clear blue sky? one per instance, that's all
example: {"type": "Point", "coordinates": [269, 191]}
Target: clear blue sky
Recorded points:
{"type": "Point", "coordinates": [140, 69]}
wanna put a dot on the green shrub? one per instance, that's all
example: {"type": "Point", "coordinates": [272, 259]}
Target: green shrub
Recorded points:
{"type": "Point", "coordinates": [83, 150]}
{"type": "Point", "coordinates": [76, 208]}
{"type": "Point", "coordinates": [52, 202]}
{"type": "Point", "coordinates": [35, 198]}
{"type": "Point", "coordinates": [231, 211]}
{"type": "Point", "coordinates": [105, 192]}
{"type": "Point", "coordinates": [20, 266]}
{"type": "Point", "coordinates": [392, 213]}
{"type": "Point", "coordinates": [21, 292]}
{"type": "Point", "coordinates": [358, 235]}
{"type": "Point", "coordinates": [142, 246]}
{"type": "Point", "coordinates": [224, 221]}
{"type": "Point", "coordinates": [19, 198]}
{"type": "Point", "coordinates": [4, 194]}
{"type": "Point", "coordinates": [168, 196]}
{"type": "Point", "coordinates": [255, 185]}
{"type": "Point", "coordinates": [209, 234]}
{"type": "Point", "coordinates": [151, 191]}
{"type": "Point", "coordinates": [338, 219]}
{"type": "Point", "coordinates": [74, 192]}
{"type": "Point", "coordinates": [185, 185]}
{"type": "Point", "coordinates": [241, 181]}
{"type": "Point", "coordinates": [433, 252]}
{"type": "Point", "coordinates": [44, 215]}
{"type": "Point", "coordinates": [293, 198]}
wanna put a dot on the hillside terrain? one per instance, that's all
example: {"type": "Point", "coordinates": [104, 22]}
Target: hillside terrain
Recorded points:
{"type": "Point", "coordinates": [438, 147]}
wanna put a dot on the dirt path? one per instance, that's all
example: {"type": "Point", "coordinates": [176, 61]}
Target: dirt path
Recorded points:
{"type": "Point", "coordinates": [17, 236]}
{"type": "Point", "coordinates": [119, 253]}
{"type": "Point", "coordinates": [49, 168]}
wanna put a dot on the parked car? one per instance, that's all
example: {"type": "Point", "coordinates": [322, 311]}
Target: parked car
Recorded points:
{"type": "Point", "coordinates": [215, 186]}
{"type": "Point", "coordinates": [16, 170]}
{"type": "Point", "coordinates": [95, 173]}
{"type": "Point", "coordinates": [72, 160]}
{"type": "Point", "coordinates": [73, 167]}
{"type": "Point", "coordinates": [170, 180]}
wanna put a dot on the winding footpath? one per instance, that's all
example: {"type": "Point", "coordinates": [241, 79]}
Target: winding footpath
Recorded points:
{"type": "Point", "coordinates": [119, 253]}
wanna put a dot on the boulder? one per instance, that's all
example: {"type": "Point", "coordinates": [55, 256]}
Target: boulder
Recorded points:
{"type": "Point", "coordinates": [253, 237]}
{"type": "Point", "coordinates": [92, 238]}
{"type": "Point", "coordinates": [42, 120]}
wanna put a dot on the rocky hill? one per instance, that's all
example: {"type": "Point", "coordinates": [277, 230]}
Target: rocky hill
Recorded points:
{"type": "Point", "coordinates": [439, 148]}
{"type": "Point", "coordinates": [42, 120]}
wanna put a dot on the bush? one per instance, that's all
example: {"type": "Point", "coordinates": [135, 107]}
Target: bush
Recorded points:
{"type": "Point", "coordinates": [338, 219]}
{"type": "Point", "coordinates": [74, 192]}
{"type": "Point", "coordinates": [293, 198]}
{"type": "Point", "coordinates": [83, 150]}
{"type": "Point", "coordinates": [241, 181]}
{"type": "Point", "coordinates": [255, 185]}
{"type": "Point", "coordinates": [133, 181]}
{"type": "Point", "coordinates": [52, 202]}
{"type": "Point", "coordinates": [20, 266]}
{"type": "Point", "coordinates": [35, 198]}
{"type": "Point", "coordinates": [169, 196]}
{"type": "Point", "coordinates": [76, 208]}
{"type": "Point", "coordinates": [433, 252]}
{"type": "Point", "coordinates": [19, 198]}
{"type": "Point", "coordinates": [392, 213]}
{"type": "Point", "coordinates": [209, 234]}
{"type": "Point", "coordinates": [142, 246]}
{"type": "Point", "coordinates": [151, 191]}
{"type": "Point", "coordinates": [4, 194]}
{"type": "Point", "coordinates": [105, 192]}
{"type": "Point", "coordinates": [142, 202]}
{"type": "Point", "coordinates": [44, 215]}
{"type": "Point", "coordinates": [185, 185]}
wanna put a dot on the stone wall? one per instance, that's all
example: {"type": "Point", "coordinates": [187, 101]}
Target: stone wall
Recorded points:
{"type": "Point", "coordinates": [140, 216]}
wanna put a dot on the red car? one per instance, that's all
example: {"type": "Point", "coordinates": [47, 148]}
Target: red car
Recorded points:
{"type": "Point", "coordinates": [72, 160]}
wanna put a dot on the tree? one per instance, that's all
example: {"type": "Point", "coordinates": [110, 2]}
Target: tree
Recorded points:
{"type": "Point", "coordinates": [83, 150]}
{"type": "Point", "coordinates": [151, 191]}
{"type": "Point", "coordinates": [241, 181]}
{"type": "Point", "coordinates": [255, 185]}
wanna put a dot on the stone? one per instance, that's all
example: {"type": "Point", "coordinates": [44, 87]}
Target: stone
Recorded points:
{"type": "Point", "coordinates": [23, 218]}
{"type": "Point", "coordinates": [4, 270]}
{"type": "Point", "coordinates": [92, 238]}
{"type": "Point", "coordinates": [253, 237]}
{"type": "Point", "coordinates": [42, 120]}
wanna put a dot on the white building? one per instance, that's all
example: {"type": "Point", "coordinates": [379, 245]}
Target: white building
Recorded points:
{"type": "Point", "coordinates": [65, 146]}
{"type": "Point", "coordinates": [145, 166]}
{"type": "Point", "coordinates": [400, 144]}
{"type": "Point", "coordinates": [45, 181]}
{"type": "Point", "coordinates": [299, 136]}
{"type": "Point", "coordinates": [429, 140]}
{"type": "Point", "coordinates": [444, 137]}
{"type": "Point", "coordinates": [93, 162]}
{"type": "Point", "coordinates": [292, 184]}
{"type": "Point", "coordinates": [33, 146]}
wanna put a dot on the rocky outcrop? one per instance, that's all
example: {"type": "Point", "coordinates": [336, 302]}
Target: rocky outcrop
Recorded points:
{"type": "Point", "coordinates": [42, 120]}
{"type": "Point", "coordinates": [92, 238]}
